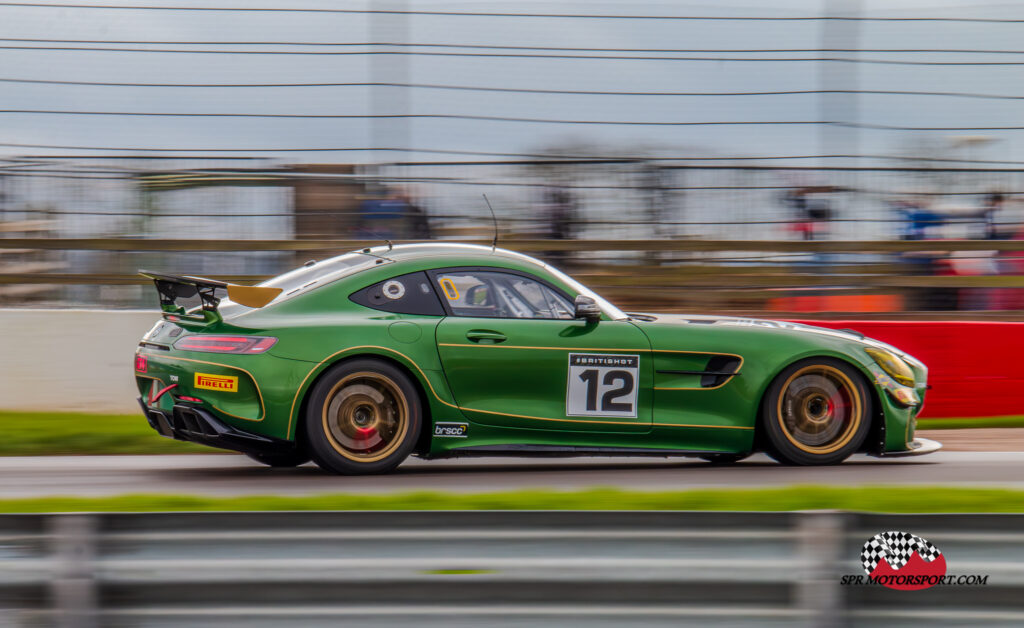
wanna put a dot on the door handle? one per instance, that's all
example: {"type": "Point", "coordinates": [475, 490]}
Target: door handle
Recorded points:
{"type": "Point", "coordinates": [485, 336]}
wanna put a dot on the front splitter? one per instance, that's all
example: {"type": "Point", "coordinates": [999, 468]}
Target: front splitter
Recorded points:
{"type": "Point", "coordinates": [918, 447]}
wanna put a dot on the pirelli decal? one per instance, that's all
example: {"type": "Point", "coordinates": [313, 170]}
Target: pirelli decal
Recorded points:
{"type": "Point", "coordinates": [223, 383]}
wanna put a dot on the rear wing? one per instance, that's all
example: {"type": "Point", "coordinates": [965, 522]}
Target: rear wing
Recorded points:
{"type": "Point", "coordinates": [174, 287]}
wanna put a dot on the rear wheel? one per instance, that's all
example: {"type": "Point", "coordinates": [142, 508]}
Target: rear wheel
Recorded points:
{"type": "Point", "coordinates": [816, 412]}
{"type": "Point", "coordinates": [363, 416]}
{"type": "Point", "coordinates": [289, 459]}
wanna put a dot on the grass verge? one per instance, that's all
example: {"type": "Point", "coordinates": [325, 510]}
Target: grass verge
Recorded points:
{"type": "Point", "coordinates": [969, 423]}
{"type": "Point", "coordinates": [899, 499]}
{"type": "Point", "coordinates": [64, 433]}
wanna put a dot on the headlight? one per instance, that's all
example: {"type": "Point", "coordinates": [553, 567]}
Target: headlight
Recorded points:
{"type": "Point", "coordinates": [893, 365]}
{"type": "Point", "coordinates": [905, 396]}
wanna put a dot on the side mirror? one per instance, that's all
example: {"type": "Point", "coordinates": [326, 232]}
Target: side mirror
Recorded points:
{"type": "Point", "coordinates": [587, 309]}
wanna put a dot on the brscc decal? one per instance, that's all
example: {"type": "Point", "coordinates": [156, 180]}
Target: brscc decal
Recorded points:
{"type": "Point", "coordinates": [223, 383]}
{"type": "Point", "coordinates": [451, 430]}
{"type": "Point", "coordinates": [602, 385]}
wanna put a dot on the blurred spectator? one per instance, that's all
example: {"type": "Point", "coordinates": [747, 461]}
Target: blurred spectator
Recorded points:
{"type": "Point", "coordinates": [811, 211]}
{"type": "Point", "coordinates": [1009, 263]}
{"type": "Point", "coordinates": [561, 214]}
{"type": "Point", "coordinates": [932, 222]}
{"type": "Point", "coordinates": [394, 217]}
{"type": "Point", "coordinates": [981, 263]}
{"type": "Point", "coordinates": [994, 230]}
{"type": "Point", "coordinates": [981, 220]}
{"type": "Point", "coordinates": [380, 218]}
{"type": "Point", "coordinates": [922, 223]}
{"type": "Point", "coordinates": [926, 221]}
{"type": "Point", "coordinates": [418, 222]}
{"type": "Point", "coordinates": [656, 183]}
{"type": "Point", "coordinates": [561, 219]}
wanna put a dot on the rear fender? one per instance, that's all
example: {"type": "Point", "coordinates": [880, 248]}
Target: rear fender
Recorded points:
{"type": "Point", "coordinates": [432, 385]}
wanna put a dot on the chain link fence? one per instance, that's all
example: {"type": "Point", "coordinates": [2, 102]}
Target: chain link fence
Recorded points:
{"type": "Point", "coordinates": [726, 237]}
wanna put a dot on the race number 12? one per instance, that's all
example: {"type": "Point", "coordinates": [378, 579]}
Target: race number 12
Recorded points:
{"type": "Point", "coordinates": [602, 385]}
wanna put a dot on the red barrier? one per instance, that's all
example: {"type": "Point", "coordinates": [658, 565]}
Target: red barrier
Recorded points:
{"type": "Point", "coordinates": [972, 366]}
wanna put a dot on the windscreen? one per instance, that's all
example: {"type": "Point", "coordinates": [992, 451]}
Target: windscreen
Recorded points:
{"type": "Point", "coordinates": [613, 312]}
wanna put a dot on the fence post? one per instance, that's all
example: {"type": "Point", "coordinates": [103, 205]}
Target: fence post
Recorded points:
{"type": "Point", "coordinates": [819, 543]}
{"type": "Point", "coordinates": [73, 587]}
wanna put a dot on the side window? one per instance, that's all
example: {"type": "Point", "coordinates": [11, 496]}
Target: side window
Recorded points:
{"type": "Point", "coordinates": [405, 294]}
{"type": "Point", "coordinates": [492, 294]}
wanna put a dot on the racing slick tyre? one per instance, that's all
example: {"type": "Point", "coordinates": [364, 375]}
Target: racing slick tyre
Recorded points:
{"type": "Point", "coordinates": [288, 459]}
{"type": "Point", "coordinates": [816, 412]}
{"type": "Point", "coordinates": [723, 459]}
{"type": "Point", "coordinates": [363, 417]}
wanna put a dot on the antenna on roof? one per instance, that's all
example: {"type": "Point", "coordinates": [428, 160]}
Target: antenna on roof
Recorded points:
{"type": "Point", "coordinates": [494, 242]}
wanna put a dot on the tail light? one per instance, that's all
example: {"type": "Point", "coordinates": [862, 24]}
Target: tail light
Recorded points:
{"type": "Point", "coordinates": [226, 344]}
{"type": "Point", "coordinates": [141, 363]}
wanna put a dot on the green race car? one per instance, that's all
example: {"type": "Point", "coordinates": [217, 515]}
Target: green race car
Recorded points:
{"type": "Point", "coordinates": [444, 350]}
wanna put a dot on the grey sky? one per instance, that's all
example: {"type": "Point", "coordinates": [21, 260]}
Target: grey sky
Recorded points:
{"type": "Point", "coordinates": [525, 73]}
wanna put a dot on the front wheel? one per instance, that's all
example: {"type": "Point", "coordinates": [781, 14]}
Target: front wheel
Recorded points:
{"type": "Point", "coordinates": [363, 417]}
{"type": "Point", "coordinates": [816, 412]}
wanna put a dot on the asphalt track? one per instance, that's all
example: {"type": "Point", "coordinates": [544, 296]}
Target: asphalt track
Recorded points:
{"type": "Point", "coordinates": [218, 474]}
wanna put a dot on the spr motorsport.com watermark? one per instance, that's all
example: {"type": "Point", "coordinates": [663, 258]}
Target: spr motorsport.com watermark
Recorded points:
{"type": "Point", "coordinates": [906, 562]}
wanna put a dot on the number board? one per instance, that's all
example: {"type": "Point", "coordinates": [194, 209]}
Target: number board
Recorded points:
{"type": "Point", "coordinates": [602, 385]}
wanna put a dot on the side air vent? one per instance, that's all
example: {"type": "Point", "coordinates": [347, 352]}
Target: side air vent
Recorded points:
{"type": "Point", "coordinates": [720, 368]}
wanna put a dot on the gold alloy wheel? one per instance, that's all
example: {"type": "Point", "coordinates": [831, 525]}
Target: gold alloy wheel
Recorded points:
{"type": "Point", "coordinates": [366, 416]}
{"type": "Point", "coordinates": [819, 409]}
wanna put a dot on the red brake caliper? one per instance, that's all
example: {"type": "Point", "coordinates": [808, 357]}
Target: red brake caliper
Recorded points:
{"type": "Point", "coordinates": [366, 435]}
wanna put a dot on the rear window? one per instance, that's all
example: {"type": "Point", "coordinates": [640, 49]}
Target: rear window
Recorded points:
{"type": "Point", "coordinates": [309, 277]}
{"type": "Point", "coordinates": [312, 273]}
{"type": "Point", "coordinates": [405, 294]}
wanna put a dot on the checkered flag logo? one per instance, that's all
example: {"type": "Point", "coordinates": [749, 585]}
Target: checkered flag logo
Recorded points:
{"type": "Point", "coordinates": [896, 548]}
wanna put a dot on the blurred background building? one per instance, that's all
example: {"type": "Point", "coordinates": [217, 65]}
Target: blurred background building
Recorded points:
{"type": "Point", "coordinates": [812, 156]}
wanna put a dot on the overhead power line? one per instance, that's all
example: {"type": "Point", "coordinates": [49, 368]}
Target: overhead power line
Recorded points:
{"type": "Point", "coordinates": [56, 167]}
{"type": "Point", "coordinates": [132, 152]}
{"type": "Point", "coordinates": [439, 116]}
{"type": "Point", "coordinates": [509, 55]}
{"type": "Point", "coordinates": [521, 90]}
{"type": "Point", "coordinates": [279, 149]}
{"type": "Point", "coordinates": [730, 18]}
{"type": "Point", "coordinates": [383, 44]}
{"type": "Point", "coordinates": [453, 116]}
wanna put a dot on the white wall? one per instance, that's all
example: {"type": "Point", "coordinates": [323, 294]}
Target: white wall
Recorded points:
{"type": "Point", "coordinates": [77, 360]}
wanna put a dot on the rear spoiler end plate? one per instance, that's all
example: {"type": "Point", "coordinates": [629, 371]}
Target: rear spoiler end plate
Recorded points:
{"type": "Point", "coordinates": [174, 287]}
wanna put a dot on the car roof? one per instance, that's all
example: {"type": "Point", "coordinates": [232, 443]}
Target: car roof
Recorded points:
{"type": "Point", "coordinates": [427, 254]}
{"type": "Point", "coordinates": [484, 254]}
{"type": "Point", "coordinates": [487, 256]}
